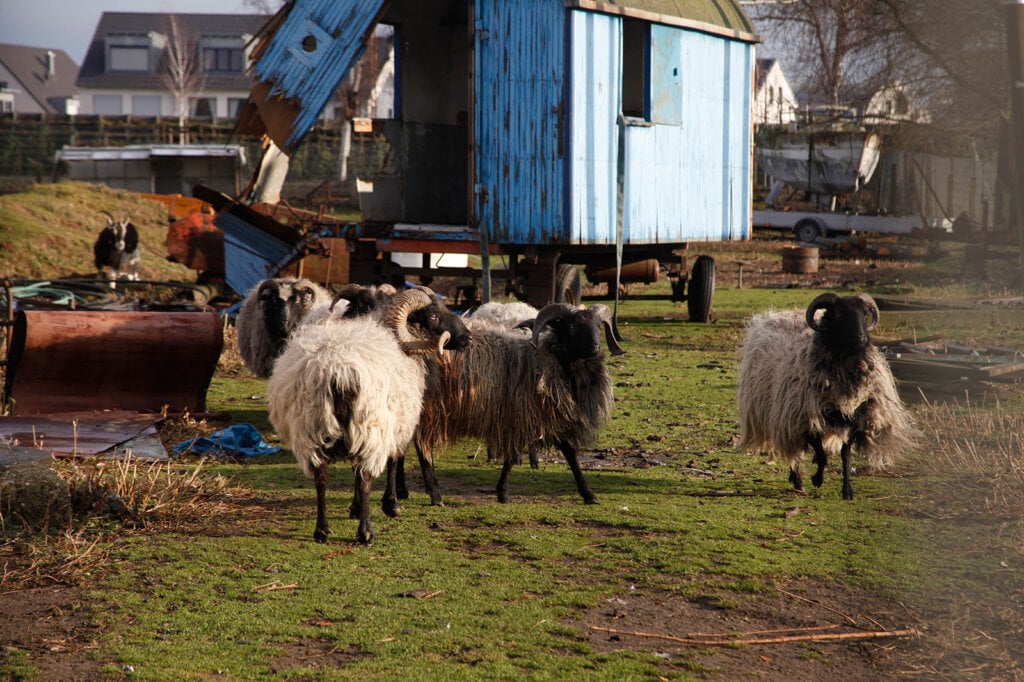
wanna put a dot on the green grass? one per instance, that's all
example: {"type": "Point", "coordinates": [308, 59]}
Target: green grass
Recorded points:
{"type": "Point", "coordinates": [247, 594]}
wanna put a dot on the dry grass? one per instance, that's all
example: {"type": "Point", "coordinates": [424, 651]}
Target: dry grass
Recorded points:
{"type": "Point", "coordinates": [983, 443]}
{"type": "Point", "coordinates": [110, 498]}
{"type": "Point", "coordinates": [230, 362]}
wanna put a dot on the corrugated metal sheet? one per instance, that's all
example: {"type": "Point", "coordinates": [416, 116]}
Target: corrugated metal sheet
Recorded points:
{"type": "Point", "coordinates": [310, 53]}
{"type": "Point", "coordinates": [717, 16]}
{"type": "Point", "coordinates": [520, 120]}
{"type": "Point", "coordinates": [686, 182]}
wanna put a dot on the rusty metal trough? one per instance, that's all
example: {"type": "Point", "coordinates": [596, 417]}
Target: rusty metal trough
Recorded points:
{"type": "Point", "coordinates": [67, 361]}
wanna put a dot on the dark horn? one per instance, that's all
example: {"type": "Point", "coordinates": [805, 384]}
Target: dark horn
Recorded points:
{"type": "Point", "coordinates": [604, 314]}
{"type": "Point", "coordinates": [548, 314]}
{"type": "Point", "coordinates": [821, 302]}
{"type": "Point", "coordinates": [870, 310]}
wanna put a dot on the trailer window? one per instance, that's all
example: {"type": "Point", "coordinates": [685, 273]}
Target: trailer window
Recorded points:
{"type": "Point", "coordinates": [636, 41]}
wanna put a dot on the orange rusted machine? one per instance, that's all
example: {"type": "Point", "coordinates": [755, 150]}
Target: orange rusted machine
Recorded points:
{"type": "Point", "coordinates": [67, 361]}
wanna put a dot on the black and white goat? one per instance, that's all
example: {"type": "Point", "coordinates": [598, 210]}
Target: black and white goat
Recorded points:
{"type": "Point", "coordinates": [116, 251]}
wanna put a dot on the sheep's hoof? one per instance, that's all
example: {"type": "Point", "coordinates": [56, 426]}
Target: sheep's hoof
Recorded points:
{"type": "Point", "coordinates": [320, 535]}
{"type": "Point", "coordinates": [365, 537]}
{"type": "Point", "coordinates": [817, 479]}
{"type": "Point", "coordinates": [590, 500]}
{"type": "Point", "coordinates": [390, 507]}
{"type": "Point", "coordinates": [847, 493]}
{"type": "Point", "coordinates": [503, 498]}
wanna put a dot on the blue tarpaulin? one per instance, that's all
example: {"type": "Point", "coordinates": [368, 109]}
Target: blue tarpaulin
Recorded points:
{"type": "Point", "coordinates": [239, 439]}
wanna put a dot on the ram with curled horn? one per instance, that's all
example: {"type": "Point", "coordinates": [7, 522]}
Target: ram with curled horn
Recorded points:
{"type": "Point", "coordinates": [513, 391]}
{"type": "Point", "coordinates": [812, 380]}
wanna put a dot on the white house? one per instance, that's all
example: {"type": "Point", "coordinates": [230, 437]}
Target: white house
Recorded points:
{"type": "Point", "coordinates": [894, 103]}
{"type": "Point", "coordinates": [774, 100]}
{"type": "Point", "coordinates": [125, 67]}
{"type": "Point", "coordinates": [37, 80]}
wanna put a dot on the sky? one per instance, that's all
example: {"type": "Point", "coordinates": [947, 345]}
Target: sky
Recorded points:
{"type": "Point", "coordinates": [69, 24]}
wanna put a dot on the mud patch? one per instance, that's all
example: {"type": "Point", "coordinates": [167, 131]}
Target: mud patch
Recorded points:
{"type": "Point", "coordinates": [316, 653]}
{"type": "Point", "coordinates": [801, 619]}
{"type": "Point", "coordinates": [52, 630]}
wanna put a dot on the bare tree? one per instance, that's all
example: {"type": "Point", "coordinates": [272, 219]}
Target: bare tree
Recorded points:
{"type": "Point", "coordinates": [181, 70]}
{"type": "Point", "coordinates": [843, 46]}
{"type": "Point", "coordinates": [264, 6]}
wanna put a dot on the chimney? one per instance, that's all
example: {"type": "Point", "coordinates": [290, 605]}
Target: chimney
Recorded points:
{"type": "Point", "coordinates": [51, 70]}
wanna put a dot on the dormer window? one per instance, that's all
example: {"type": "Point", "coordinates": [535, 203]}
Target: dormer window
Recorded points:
{"type": "Point", "coordinates": [222, 59]}
{"type": "Point", "coordinates": [129, 58]}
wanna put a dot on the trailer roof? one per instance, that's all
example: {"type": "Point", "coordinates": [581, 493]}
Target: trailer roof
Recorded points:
{"type": "Point", "coordinates": [722, 17]}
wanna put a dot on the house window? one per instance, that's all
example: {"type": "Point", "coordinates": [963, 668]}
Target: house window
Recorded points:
{"type": "Point", "coordinates": [235, 106]}
{"type": "Point", "coordinates": [107, 105]}
{"type": "Point", "coordinates": [635, 83]}
{"type": "Point", "coordinates": [6, 106]}
{"type": "Point", "coordinates": [127, 58]}
{"type": "Point", "coordinates": [226, 59]}
{"type": "Point", "coordinates": [202, 107]}
{"type": "Point", "coordinates": [146, 105]}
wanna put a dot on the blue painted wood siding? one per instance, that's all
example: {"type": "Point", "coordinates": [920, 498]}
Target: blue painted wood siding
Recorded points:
{"type": "Point", "coordinates": [689, 181]}
{"type": "Point", "coordinates": [519, 152]}
{"type": "Point", "coordinates": [311, 76]}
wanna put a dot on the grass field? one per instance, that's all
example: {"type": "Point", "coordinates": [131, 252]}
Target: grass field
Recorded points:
{"type": "Point", "coordinates": [698, 563]}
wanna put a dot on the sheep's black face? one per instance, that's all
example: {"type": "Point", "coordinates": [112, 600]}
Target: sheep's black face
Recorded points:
{"type": "Point", "coordinates": [436, 319]}
{"type": "Point", "coordinates": [577, 336]}
{"type": "Point", "coordinates": [844, 327]}
{"type": "Point", "coordinates": [364, 302]}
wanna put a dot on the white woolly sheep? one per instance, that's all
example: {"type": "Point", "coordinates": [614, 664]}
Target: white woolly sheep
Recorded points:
{"type": "Point", "coordinates": [510, 390]}
{"type": "Point", "coordinates": [269, 313]}
{"type": "Point", "coordinates": [349, 389]}
{"type": "Point", "coordinates": [810, 381]}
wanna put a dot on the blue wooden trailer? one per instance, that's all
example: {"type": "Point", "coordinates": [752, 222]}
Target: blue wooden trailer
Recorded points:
{"type": "Point", "coordinates": [551, 133]}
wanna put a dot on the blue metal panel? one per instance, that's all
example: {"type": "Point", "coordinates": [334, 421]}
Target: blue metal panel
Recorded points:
{"type": "Point", "coordinates": [596, 72]}
{"type": "Point", "coordinates": [688, 181]}
{"type": "Point", "coordinates": [249, 253]}
{"type": "Point", "coordinates": [520, 121]}
{"type": "Point", "coordinates": [311, 52]}
{"type": "Point", "coordinates": [666, 61]}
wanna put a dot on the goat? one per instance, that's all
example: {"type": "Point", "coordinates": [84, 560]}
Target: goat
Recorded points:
{"type": "Point", "coordinates": [353, 389]}
{"type": "Point", "coordinates": [810, 381]}
{"type": "Point", "coordinates": [116, 251]}
{"type": "Point", "coordinates": [513, 391]}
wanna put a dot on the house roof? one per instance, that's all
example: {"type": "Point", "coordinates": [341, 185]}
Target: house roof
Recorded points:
{"type": "Point", "coordinates": [93, 72]}
{"type": "Point", "coordinates": [28, 65]}
{"type": "Point", "coordinates": [724, 17]}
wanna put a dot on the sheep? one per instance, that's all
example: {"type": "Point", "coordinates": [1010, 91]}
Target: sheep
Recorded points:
{"type": "Point", "coordinates": [514, 315]}
{"type": "Point", "coordinates": [116, 251]}
{"type": "Point", "coordinates": [351, 388]}
{"type": "Point", "coordinates": [269, 313]}
{"type": "Point", "coordinates": [810, 381]}
{"type": "Point", "coordinates": [510, 391]}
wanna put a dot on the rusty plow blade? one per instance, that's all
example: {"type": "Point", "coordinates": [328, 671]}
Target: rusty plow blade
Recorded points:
{"type": "Point", "coordinates": [69, 361]}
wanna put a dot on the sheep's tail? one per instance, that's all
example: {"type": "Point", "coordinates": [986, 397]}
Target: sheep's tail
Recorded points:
{"type": "Point", "coordinates": [301, 402]}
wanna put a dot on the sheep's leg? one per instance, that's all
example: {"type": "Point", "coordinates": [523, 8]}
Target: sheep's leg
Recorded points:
{"type": "Point", "coordinates": [820, 458]}
{"type": "Point", "coordinates": [534, 461]}
{"type": "Point", "coordinates": [401, 489]}
{"type": "Point", "coordinates": [506, 469]}
{"type": "Point", "coordinates": [581, 484]}
{"type": "Point", "coordinates": [320, 480]}
{"type": "Point", "coordinates": [364, 534]}
{"type": "Point", "coordinates": [389, 503]}
{"type": "Point", "coordinates": [429, 476]}
{"type": "Point", "coordinates": [847, 483]}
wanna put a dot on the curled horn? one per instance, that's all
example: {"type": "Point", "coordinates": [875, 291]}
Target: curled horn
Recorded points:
{"type": "Point", "coordinates": [822, 302]}
{"type": "Point", "coordinates": [548, 314]}
{"type": "Point", "coordinates": [604, 314]}
{"type": "Point", "coordinates": [397, 320]}
{"type": "Point", "coordinates": [870, 310]}
{"type": "Point", "coordinates": [345, 292]}
{"type": "Point", "coordinates": [110, 216]}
